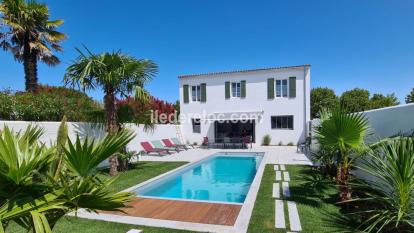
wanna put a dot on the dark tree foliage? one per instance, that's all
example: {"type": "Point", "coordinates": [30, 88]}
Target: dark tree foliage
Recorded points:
{"type": "Point", "coordinates": [382, 101]}
{"type": "Point", "coordinates": [410, 97]}
{"type": "Point", "coordinates": [322, 98]}
{"type": "Point", "coordinates": [355, 100]}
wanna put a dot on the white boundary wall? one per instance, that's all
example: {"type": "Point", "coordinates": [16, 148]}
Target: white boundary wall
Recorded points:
{"type": "Point", "coordinates": [387, 122]}
{"type": "Point", "coordinates": [85, 129]}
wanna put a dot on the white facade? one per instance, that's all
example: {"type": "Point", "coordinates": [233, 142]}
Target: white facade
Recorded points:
{"type": "Point", "coordinates": [255, 103]}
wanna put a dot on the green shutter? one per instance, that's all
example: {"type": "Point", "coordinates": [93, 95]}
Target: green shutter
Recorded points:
{"type": "Point", "coordinates": [227, 90]}
{"type": "Point", "coordinates": [292, 87]}
{"type": "Point", "coordinates": [185, 94]}
{"type": "Point", "coordinates": [271, 88]}
{"type": "Point", "coordinates": [203, 92]}
{"type": "Point", "coordinates": [243, 89]}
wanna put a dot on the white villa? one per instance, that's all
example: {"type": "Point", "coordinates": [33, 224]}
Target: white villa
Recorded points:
{"type": "Point", "coordinates": [234, 104]}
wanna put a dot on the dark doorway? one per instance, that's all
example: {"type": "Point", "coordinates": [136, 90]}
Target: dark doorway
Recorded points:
{"type": "Point", "coordinates": [233, 129]}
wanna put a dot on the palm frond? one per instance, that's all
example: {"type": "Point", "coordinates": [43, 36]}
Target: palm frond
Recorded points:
{"type": "Point", "coordinates": [83, 158]}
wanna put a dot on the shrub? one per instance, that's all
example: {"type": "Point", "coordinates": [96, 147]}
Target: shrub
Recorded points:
{"type": "Point", "coordinates": [47, 104]}
{"type": "Point", "coordinates": [290, 144]}
{"type": "Point", "coordinates": [266, 140]}
{"type": "Point", "coordinates": [280, 143]}
{"type": "Point", "coordinates": [388, 187]}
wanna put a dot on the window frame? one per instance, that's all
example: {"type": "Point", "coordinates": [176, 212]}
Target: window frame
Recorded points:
{"type": "Point", "coordinates": [197, 97]}
{"type": "Point", "coordinates": [283, 93]}
{"type": "Point", "coordinates": [237, 88]}
{"type": "Point", "coordinates": [274, 123]}
{"type": "Point", "coordinates": [196, 125]}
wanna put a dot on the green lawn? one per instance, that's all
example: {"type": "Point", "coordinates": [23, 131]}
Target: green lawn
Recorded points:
{"type": "Point", "coordinates": [138, 173]}
{"type": "Point", "coordinates": [315, 198]}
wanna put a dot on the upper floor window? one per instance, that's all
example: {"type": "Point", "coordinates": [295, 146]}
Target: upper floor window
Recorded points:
{"type": "Point", "coordinates": [282, 88]}
{"type": "Point", "coordinates": [235, 89]}
{"type": "Point", "coordinates": [196, 93]}
{"type": "Point", "coordinates": [281, 122]}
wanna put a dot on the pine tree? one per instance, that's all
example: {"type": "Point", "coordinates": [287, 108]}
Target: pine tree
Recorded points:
{"type": "Point", "coordinates": [410, 97]}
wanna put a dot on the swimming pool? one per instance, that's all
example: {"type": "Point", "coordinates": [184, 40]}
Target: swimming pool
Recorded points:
{"type": "Point", "coordinates": [222, 177]}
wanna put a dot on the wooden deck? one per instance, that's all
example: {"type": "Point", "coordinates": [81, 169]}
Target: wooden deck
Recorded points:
{"type": "Point", "coordinates": [184, 211]}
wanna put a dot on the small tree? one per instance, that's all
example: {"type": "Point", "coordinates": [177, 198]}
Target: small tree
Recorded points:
{"type": "Point", "coordinates": [381, 101]}
{"type": "Point", "coordinates": [355, 100]}
{"type": "Point", "coordinates": [410, 97]}
{"type": "Point", "coordinates": [322, 98]}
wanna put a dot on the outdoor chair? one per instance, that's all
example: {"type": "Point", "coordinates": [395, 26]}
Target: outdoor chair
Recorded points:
{"type": "Point", "coordinates": [168, 143]}
{"type": "Point", "coordinates": [158, 145]}
{"type": "Point", "coordinates": [176, 141]}
{"type": "Point", "coordinates": [149, 149]}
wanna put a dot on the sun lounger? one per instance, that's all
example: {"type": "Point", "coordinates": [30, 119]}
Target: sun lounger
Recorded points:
{"type": "Point", "coordinates": [158, 145]}
{"type": "Point", "coordinates": [168, 143]}
{"type": "Point", "coordinates": [177, 142]}
{"type": "Point", "coordinates": [149, 149]}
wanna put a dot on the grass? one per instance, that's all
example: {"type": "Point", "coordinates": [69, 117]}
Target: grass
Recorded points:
{"type": "Point", "coordinates": [315, 198]}
{"type": "Point", "coordinates": [138, 173]}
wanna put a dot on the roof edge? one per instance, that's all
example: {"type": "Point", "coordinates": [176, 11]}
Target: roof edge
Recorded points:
{"type": "Point", "coordinates": [243, 71]}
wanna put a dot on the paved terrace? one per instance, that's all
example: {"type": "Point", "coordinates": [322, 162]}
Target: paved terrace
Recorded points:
{"type": "Point", "coordinates": [273, 155]}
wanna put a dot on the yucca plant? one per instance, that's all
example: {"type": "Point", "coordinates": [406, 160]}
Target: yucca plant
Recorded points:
{"type": "Point", "coordinates": [35, 199]}
{"type": "Point", "coordinates": [387, 183]}
{"type": "Point", "coordinates": [343, 132]}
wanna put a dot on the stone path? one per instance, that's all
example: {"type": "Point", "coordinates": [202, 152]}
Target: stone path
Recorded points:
{"type": "Point", "coordinates": [282, 184]}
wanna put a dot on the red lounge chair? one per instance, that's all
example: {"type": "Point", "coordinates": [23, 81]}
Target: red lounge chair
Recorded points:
{"type": "Point", "coordinates": [149, 149]}
{"type": "Point", "coordinates": [168, 143]}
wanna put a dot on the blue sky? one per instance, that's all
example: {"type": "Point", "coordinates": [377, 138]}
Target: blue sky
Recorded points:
{"type": "Point", "coordinates": [352, 43]}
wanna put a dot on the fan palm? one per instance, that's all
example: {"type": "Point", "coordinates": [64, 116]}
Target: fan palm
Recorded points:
{"type": "Point", "coordinates": [30, 36]}
{"type": "Point", "coordinates": [388, 184]}
{"type": "Point", "coordinates": [118, 75]}
{"type": "Point", "coordinates": [345, 133]}
{"type": "Point", "coordinates": [34, 199]}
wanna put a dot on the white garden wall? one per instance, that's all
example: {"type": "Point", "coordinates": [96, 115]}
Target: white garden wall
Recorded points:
{"type": "Point", "coordinates": [85, 129]}
{"type": "Point", "coordinates": [387, 122]}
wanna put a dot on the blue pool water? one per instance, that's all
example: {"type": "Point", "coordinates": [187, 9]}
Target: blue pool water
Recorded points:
{"type": "Point", "coordinates": [221, 177]}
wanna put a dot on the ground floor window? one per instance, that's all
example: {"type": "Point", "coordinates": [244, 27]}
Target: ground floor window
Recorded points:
{"type": "Point", "coordinates": [282, 122]}
{"type": "Point", "coordinates": [234, 130]}
{"type": "Point", "coordinates": [196, 126]}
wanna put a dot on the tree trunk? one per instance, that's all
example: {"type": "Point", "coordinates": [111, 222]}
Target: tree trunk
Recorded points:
{"type": "Point", "coordinates": [342, 179]}
{"type": "Point", "coordinates": [30, 67]}
{"type": "Point", "coordinates": [111, 125]}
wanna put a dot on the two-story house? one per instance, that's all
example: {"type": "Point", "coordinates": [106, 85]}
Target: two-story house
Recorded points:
{"type": "Point", "coordinates": [273, 101]}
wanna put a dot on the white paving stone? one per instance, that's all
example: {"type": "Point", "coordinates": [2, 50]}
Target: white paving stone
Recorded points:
{"type": "Point", "coordinates": [134, 231]}
{"type": "Point", "coordinates": [286, 176]}
{"type": "Point", "coordinates": [282, 167]}
{"type": "Point", "coordinates": [276, 190]}
{"type": "Point", "coordinates": [276, 167]}
{"type": "Point", "coordinates": [294, 220]}
{"type": "Point", "coordinates": [285, 188]}
{"type": "Point", "coordinates": [278, 175]}
{"type": "Point", "coordinates": [279, 214]}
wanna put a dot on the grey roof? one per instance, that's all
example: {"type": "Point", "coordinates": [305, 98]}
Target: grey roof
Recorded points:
{"type": "Point", "coordinates": [243, 71]}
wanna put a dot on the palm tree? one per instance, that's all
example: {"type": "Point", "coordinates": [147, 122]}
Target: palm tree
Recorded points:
{"type": "Point", "coordinates": [30, 36]}
{"type": "Point", "coordinates": [36, 200]}
{"type": "Point", "coordinates": [118, 75]}
{"type": "Point", "coordinates": [344, 132]}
